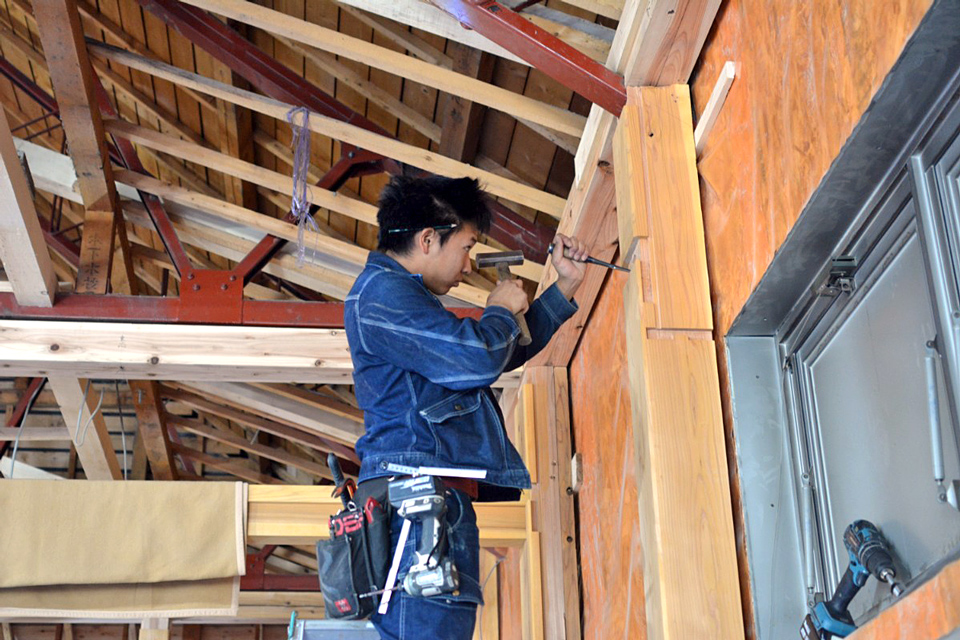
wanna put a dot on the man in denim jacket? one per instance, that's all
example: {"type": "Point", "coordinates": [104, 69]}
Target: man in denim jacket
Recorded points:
{"type": "Point", "coordinates": [422, 376]}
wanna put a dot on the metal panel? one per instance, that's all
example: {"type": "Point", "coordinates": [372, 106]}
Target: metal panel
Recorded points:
{"type": "Point", "coordinates": [767, 471]}
{"type": "Point", "coordinates": [869, 404]}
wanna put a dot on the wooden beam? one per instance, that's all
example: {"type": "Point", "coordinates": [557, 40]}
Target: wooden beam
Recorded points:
{"type": "Point", "coordinates": [276, 181]}
{"type": "Point", "coordinates": [233, 467]}
{"type": "Point", "coordinates": [152, 428]}
{"type": "Point", "coordinates": [23, 249]}
{"type": "Point", "coordinates": [120, 37]}
{"type": "Point", "coordinates": [35, 434]}
{"type": "Point", "coordinates": [285, 410]}
{"type": "Point", "coordinates": [300, 515]}
{"type": "Point", "coordinates": [389, 147]}
{"type": "Point", "coordinates": [73, 80]}
{"type": "Point", "coordinates": [400, 36]}
{"type": "Point", "coordinates": [254, 421]}
{"type": "Point", "coordinates": [462, 119]}
{"type": "Point", "coordinates": [236, 138]}
{"type": "Point", "coordinates": [89, 434]}
{"type": "Point", "coordinates": [686, 524]}
{"type": "Point", "coordinates": [396, 63]}
{"type": "Point", "coordinates": [369, 90]}
{"type": "Point", "coordinates": [264, 451]}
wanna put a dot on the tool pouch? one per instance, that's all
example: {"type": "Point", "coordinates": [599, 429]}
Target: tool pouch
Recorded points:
{"type": "Point", "coordinates": [355, 559]}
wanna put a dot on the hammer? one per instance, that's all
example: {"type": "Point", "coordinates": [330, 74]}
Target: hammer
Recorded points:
{"type": "Point", "coordinates": [502, 262]}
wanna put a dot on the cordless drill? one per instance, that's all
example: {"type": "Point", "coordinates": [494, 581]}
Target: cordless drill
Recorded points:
{"type": "Point", "coordinates": [869, 555]}
{"type": "Point", "coordinates": [422, 498]}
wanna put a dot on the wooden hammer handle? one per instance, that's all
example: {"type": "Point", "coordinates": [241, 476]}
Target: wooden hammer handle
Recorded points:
{"type": "Point", "coordinates": [503, 272]}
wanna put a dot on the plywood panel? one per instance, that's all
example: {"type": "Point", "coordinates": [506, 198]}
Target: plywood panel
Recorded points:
{"type": "Point", "coordinates": [808, 73]}
{"type": "Point", "coordinates": [611, 558]}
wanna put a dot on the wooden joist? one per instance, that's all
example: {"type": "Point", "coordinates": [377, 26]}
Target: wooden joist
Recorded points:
{"type": "Point", "coordinates": [389, 147]}
{"type": "Point", "coordinates": [686, 525]}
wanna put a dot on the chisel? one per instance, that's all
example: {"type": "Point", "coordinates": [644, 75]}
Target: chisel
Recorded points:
{"type": "Point", "coordinates": [590, 260]}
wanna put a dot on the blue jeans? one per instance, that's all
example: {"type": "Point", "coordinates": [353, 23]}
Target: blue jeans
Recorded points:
{"type": "Point", "coordinates": [444, 617]}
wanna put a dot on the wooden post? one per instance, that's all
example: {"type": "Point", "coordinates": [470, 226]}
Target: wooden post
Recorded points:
{"type": "Point", "coordinates": [152, 429]}
{"type": "Point", "coordinates": [74, 82]}
{"type": "Point", "coordinates": [23, 250]}
{"type": "Point", "coordinates": [686, 524]}
{"type": "Point", "coordinates": [87, 427]}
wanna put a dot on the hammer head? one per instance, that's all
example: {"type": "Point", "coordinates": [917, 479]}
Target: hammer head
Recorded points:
{"type": "Point", "coordinates": [505, 258]}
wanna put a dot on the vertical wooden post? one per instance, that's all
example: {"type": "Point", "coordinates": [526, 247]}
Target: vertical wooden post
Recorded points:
{"type": "Point", "coordinates": [551, 608]}
{"type": "Point", "coordinates": [686, 523]}
{"type": "Point", "coordinates": [75, 86]}
{"type": "Point", "coordinates": [152, 428]}
{"type": "Point", "coordinates": [23, 250]}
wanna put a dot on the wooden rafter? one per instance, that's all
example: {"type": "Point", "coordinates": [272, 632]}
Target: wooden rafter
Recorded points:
{"type": "Point", "coordinates": [388, 147]}
{"type": "Point", "coordinates": [396, 63]}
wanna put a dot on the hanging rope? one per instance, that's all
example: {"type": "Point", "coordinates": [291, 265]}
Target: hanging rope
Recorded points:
{"type": "Point", "coordinates": [300, 207]}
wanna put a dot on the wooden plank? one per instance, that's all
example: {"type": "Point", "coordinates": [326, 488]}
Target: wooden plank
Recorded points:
{"type": "Point", "coordinates": [333, 405]}
{"type": "Point", "coordinates": [399, 35]}
{"type": "Point", "coordinates": [300, 515]}
{"type": "Point", "coordinates": [460, 118]}
{"type": "Point", "coordinates": [284, 410]}
{"type": "Point", "coordinates": [366, 88]}
{"type": "Point", "coordinates": [258, 422]}
{"type": "Point", "coordinates": [356, 209]}
{"type": "Point", "coordinates": [712, 109]}
{"type": "Point", "coordinates": [928, 612]}
{"type": "Point", "coordinates": [90, 435]}
{"type": "Point", "coordinates": [686, 523]}
{"type": "Point", "coordinates": [72, 76]}
{"type": "Point", "coordinates": [152, 428]}
{"type": "Point", "coordinates": [233, 467]}
{"type": "Point", "coordinates": [395, 63]}
{"type": "Point", "coordinates": [23, 249]}
{"type": "Point", "coordinates": [656, 142]}
{"type": "Point", "coordinates": [264, 451]}
{"type": "Point", "coordinates": [323, 125]}
{"type": "Point", "coordinates": [553, 508]}
{"type": "Point", "coordinates": [35, 434]}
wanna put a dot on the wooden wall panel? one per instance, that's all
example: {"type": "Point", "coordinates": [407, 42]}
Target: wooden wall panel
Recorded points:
{"type": "Point", "coordinates": [807, 73]}
{"type": "Point", "coordinates": [611, 558]}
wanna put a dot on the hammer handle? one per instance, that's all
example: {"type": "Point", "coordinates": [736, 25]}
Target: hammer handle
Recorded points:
{"type": "Point", "coordinates": [503, 272]}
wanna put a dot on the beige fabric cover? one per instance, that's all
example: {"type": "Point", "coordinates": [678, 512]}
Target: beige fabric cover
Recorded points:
{"type": "Point", "coordinates": [120, 549]}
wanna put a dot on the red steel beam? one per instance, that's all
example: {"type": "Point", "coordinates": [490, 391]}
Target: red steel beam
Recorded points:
{"type": "Point", "coordinates": [546, 52]}
{"type": "Point", "coordinates": [267, 74]}
{"type": "Point", "coordinates": [156, 309]}
{"type": "Point", "coordinates": [161, 222]}
{"type": "Point", "coordinates": [344, 169]}
{"type": "Point", "coordinates": [277, 81]}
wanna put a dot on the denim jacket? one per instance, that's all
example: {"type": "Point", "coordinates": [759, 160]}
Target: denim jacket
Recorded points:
{"type": "Point", "coordinates": [422, 376]}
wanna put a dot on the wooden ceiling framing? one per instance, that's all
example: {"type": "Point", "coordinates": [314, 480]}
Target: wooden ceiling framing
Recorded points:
{"type": "Point", "coordinates": [218, 154]}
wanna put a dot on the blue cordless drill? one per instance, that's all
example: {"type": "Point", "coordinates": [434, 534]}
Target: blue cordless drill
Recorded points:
{"type": "Point", "coordinates": [869, 555]}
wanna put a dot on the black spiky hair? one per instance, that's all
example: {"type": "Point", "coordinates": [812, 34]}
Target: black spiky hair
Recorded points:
{"type": "Point", "coordinates": [408, 205]}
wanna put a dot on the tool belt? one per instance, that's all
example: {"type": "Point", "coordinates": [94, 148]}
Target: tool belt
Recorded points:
{"type": "Point", "coordinates": [354, 561]}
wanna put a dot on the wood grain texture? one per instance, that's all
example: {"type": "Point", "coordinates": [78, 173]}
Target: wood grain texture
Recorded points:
{"type": "Point", "coordinates": [87, 427]}
{"type": "Point", "coordinates": [930, 612]}
{"type": "Point", "coordinates": [807, 75]}
{"type": "Point", "coordinates": [610, 552]}
{"type": "Point", "coordinates": [657, 155]}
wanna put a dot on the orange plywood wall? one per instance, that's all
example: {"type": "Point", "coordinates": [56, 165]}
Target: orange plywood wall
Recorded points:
{"type": "Point", "coordinates": [611, 560]}
{"type": "Point", "coordinates": [808, 70]}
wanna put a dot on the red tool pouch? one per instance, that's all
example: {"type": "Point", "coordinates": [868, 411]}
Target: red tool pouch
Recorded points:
{"type": "Point", "coordinates": [354, 560]}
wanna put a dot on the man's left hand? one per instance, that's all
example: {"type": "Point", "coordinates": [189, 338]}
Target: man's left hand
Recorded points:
{"type": "Point", "coordinates": [570, 270]}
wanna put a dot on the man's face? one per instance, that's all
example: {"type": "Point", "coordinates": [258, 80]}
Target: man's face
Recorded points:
{"type": "Point", "coordinates": [446, 265]}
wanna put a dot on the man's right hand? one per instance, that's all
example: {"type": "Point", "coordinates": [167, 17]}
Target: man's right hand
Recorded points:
{"type": "Point", "coordinates": [510, 295]}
